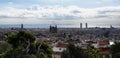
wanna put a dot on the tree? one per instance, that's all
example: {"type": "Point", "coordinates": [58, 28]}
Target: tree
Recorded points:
{"type": "Point", "coordinates": [42, 55]}
{"type": "Point", "coordinates": [93, 52]}
{"type": "Point", "coordinates": [74, 52]}
{"type": "Point", "coordinates": [115, 50]}
{"type": "Point", "coordinates": [22, 39]}
{"type": "Point", "coordinates": [24, 46]}
{"type": "Point", "coordinates": [42, 48]}
{"type": "Point", "coordinates": [4, 48]}
{"type": "Point", "coordinates": [65, 54]}
{"type": "Point", "coordinates": [16, 53]}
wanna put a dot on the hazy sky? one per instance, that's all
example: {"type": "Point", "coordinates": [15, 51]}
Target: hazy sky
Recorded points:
{"type": "Point", "coordinates": [94, 12]}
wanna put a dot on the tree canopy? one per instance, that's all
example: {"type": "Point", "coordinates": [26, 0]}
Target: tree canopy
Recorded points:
{"type": "Point", "coordinates": [92, 51]}
{"type": "Point", "coordinates": [74, 52]}
{"type": "Point", "coordinates": [21, 38]}
{"type": "Point", "coordinates": [23, 45]}
{"type": "Point", "coordinates": [115, 50]}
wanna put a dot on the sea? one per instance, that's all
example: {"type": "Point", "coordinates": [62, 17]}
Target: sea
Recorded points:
{"type": "Point", "coordinates": [35, 26]}
{"type": "Point", "coordinates": [48, 25]}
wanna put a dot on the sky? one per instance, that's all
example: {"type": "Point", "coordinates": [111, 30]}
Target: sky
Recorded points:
{"type": "Point", "coordinates": [64, 12]}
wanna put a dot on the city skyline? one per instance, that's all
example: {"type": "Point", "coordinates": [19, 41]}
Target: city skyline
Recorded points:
{"type": "Point", "coordinates": [68, 12]}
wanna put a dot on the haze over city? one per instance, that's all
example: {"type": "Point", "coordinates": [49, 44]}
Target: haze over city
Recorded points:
{"type": "Point", "coordinates": [61, 12]}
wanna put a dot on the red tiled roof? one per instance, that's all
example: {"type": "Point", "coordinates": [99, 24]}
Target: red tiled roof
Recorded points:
{"type": "Point", "coordinates": [62, 45]}
{"type": "Point", "coordinates": [103, 42]}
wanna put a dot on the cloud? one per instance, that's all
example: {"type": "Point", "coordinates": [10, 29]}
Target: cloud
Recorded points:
{"type": "Point", "coordinates": [38, 14]}
{"type": "Point", "coordinates": [41, 12]}
{"type": "Point", "coordinates": [58, 1]}
{"type": "Point", "coordinates": [107, 0]}
{"type": "Point", "coordinates": [10, 3]}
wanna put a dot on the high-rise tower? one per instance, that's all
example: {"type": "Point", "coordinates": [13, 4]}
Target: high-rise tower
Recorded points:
{"type": "Point", "coordinates": [22, 26]}
{"type": "Point", "coordinates": [86, 25]}
{"type": "Point", "coordinates": [81, 25]}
